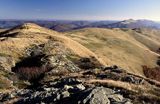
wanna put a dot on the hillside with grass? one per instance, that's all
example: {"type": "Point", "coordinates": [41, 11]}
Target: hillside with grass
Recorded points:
{"type": "Point", "coordinates": [127, 48]}
{"type": "Point", "coordinates": [18, 43]}
{"type": "Point", "coordinates": [86, 66]}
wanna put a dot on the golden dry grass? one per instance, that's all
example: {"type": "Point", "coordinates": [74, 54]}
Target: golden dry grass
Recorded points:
{"type": "Point", "coordinates": [31, 34]}
{"type": "Point", "coordinates": [119, 47]}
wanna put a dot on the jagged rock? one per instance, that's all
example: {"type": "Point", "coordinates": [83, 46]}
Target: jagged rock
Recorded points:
{"type": "Point", "coordinates": [80, 87]}
{"type": "Point", "coordinates": [65, 94]}
{"type": "Point", "coordinates": [12, 95]}
{"type": "Point", "coordinates": [67, 81]}
{"type": "Point", "coordinates": [116, 98]}
{"type": "Point", "coordinates": [132, 79]}
{"type": "Point", "coordinates": [36, 52]}
{"type": "Point", "coordinates": [101, 95]}
{"type": "Point", "coordinates": [59, 62]}
{"type": "Point", "coordinates": [114, 68]}
{"type": "Point", "coordinates": [4, 97]}
{"type": "Point", "coordinates": [128, 102]}
{"type": "Point", "coordinates": [66, 87]}
{"type": "Point", "coordinates": [48, 89]}
{"type": "Point", "coordinates": [98, 96]}
{"type": "Point", "coordinates": [23, 92]}
{"type": "Point", "coordinates": [88, 63]}
{"type": "Point", "coordinates": [111, 67]}
{"type": "Point", "coordinates": [40, 96]}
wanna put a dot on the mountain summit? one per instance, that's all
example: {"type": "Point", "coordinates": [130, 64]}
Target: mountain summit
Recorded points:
{"type": "Point", "coordinates": [129, 21]}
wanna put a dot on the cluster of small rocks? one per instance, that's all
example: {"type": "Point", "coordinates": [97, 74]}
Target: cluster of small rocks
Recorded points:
{"type": "Point", "coordinates": [67, 91]}
{"type": "Point", "coordinates": [74, 90]}
{"type": "Point", "coordinates": [59, 62]}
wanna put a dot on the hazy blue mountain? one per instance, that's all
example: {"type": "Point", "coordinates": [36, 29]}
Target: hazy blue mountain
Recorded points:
{"type": "Point", "coordinates": [133, 24]}
{"type": "Point", "coordinates": [61, 26]}
{"type": "Point", "coordinates": [58, 25]}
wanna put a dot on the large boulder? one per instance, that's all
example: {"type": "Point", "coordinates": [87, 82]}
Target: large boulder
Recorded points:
{"type": "Point", "coordinates": [98, 96]}
{"type": "Point", "coordinates": [102, 95]}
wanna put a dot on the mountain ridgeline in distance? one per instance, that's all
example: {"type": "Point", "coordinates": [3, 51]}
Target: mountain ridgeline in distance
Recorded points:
{"type": "Point", "coordinates": [58, 25]}
{"type": "Point", "coordinates": [63, 26]}
{"type": "Point", "coordinates": [133, 24]}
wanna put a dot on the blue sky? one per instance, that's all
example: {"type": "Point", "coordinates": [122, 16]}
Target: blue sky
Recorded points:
{"type": "Point", "coordinates": [80, 9]}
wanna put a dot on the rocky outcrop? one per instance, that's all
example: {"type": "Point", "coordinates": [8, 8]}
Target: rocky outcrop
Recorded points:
{"type": "Point", "coordinates": [88, 87]}
{"type": "Point", "coordinates": [71, 93]}
{"type": "Point", "coordinates": [103, 95]}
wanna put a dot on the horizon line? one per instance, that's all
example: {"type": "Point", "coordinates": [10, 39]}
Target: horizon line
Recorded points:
{"type": "Point", "coordinates": [21, 19]}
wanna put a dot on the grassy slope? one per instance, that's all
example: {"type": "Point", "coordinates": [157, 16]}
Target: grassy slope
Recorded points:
{"type": "Point", "coordinates": [13, 48]}
{"type": "Point", "coordinates": [126, 48]}
{"type": "Point", "coordinates": [33, 34]}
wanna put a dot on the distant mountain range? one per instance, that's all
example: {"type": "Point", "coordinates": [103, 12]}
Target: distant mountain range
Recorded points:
{"type": "Point", "coordinates": [133, 24]}
{"type": "Point", "coordinates": [62, 26]}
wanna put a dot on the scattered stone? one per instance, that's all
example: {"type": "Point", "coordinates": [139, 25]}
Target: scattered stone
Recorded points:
{"type": "Point", "coordinates": [80, 87]}
{"type": "Point", "coordinates": [116, 98]}
{"type": "Point", "coordinates": [132, 79]}
{"type": "Point", "coordinates": [88, 63]}
{"type": "Point", "coordinates": [114, 68]}
{"type": "Point", "coordinates": [37, 52]}
{"type": "Point", "coordinates": [4, 97]}
{"type": "Point", "coordinates": [128, 102]}
{"type": "Point", "coordinates": [66, 87]}
{"type": "Point", "coordinates": [59, 62]}
{"type": "Point", "coordinates": [65, 94]}
{"type": "Point", "coordinates": [47, 89]}
{"type": "Point", "coordinates": [67, 81]}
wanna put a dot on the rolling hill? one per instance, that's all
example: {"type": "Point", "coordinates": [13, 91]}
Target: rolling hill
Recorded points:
{"type": "Point", "coordinates": [127, 48]}
{"type": "Point", "coordinates": [32, 34]}
{"type": "Point", "coordinates": [85, 66]}
{"type": "Point", "coordinates": [17, 43]}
